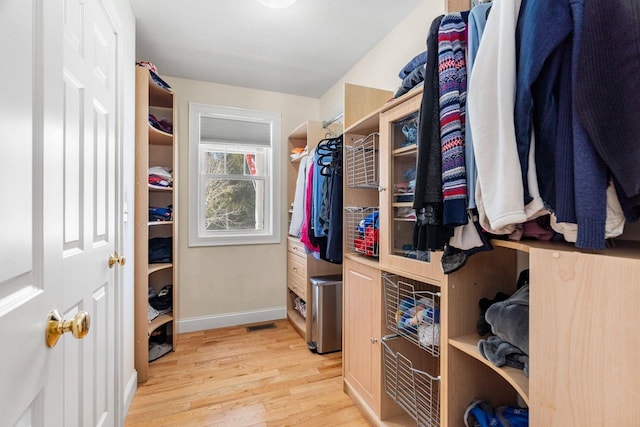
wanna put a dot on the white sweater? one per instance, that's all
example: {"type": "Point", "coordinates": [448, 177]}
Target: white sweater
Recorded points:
{"type": "Point", "coordinates": [491, 100]}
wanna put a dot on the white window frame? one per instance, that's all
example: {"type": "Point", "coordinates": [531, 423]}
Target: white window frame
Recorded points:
{"type": "Point", "coordinates": [198, 235]}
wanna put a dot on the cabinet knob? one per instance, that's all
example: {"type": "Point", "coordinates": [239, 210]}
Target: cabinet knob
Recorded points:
{"type": "Point", "coordinates": [373, 340]}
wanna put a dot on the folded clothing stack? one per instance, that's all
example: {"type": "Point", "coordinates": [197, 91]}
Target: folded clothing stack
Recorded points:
{"type": "Point", "coordinates": [157, 213]}
{"type": "Point", "coordinates": [160, 177]}
{"type": "Point", "coordinates": [160, 250]}
{"type": "Point", "coordinates": [412, 74]}
{"type": "Point", "coordinates": [161, 124]}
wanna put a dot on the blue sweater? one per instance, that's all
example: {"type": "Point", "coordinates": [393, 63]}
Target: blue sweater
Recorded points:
{"type": "Point", "coordinates": [607, 98]}
{"type": "Point", "coordinates": [571, 176]}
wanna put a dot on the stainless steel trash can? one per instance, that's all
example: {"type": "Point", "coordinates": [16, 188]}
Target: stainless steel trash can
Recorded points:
{"type": "Point", "coordinates": [326, 313]}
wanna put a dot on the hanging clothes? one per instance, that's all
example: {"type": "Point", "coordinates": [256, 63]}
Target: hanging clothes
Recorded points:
{"type": "Point", "coordinates": [452, 78]}
{"type": "Point", "coordinates": [305, 230]}
{"type": "Point", "coordinates": [334, 234]}
{"type": "Point", "coordinates": [297, 216]}
{"type": "Point", "coordinates": [429, 233]}
{"type": "Point", "coordinates": [491, 100]}
{"type": "Point", "coordinates": [324, 221]}
{"type": "Point", "coordinates": [606, 90]}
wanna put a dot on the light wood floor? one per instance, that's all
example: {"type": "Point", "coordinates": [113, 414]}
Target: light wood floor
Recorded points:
{"type": "Point", "coordinates": [231, 377]}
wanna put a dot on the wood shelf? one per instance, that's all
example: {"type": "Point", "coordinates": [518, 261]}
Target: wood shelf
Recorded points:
{"type": "Point", "coordinates": [163, 319]}
{"type": "Point", "coordinates": [160, 189]}
{"type": "Point", "coordinates": [159, 137]}
{"type": "Point", "coordinates": [405, 151]}
{"type": "Point", "coordinates": [402, 204]}
{"type": "Point", "coordinates": [404, 219]}
{"type": "Point", "coordinates": [157, 223]}
{"type": "Point", "coordinates": [362, 259]}
{"type": "Point", "coordinates": [468, 344]}
{"type": "Point", "coordinates": [157, 267]}
{"type": "Point", "coordinates": [159, 96]}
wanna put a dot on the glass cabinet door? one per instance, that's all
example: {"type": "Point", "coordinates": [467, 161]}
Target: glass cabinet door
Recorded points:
{"type": "Point", "coordinates": [398, 153]}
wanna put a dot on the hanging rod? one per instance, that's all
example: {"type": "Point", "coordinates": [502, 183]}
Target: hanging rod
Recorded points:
{"type": "Point", "coordinates": [336, 118]}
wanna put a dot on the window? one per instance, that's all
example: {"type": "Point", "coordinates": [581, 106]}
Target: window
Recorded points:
{"type": "Point", "coordinates": [234, 179]}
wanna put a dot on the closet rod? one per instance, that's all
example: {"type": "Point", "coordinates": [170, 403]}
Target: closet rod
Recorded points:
{"type": "Point", "coordinates": [336, 118]}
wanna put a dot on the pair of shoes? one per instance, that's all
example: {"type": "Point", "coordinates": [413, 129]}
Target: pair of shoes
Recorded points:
{"type": "Point", "coordinates": [157, 350]}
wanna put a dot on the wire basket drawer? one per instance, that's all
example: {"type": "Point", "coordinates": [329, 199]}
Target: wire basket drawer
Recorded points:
{"type": "Point", "coordinates": [362, 162]}
{"type": "Point", "coordinates": [412, 309]}
{"type": "Point", "coordinates": [362, 230]}
{"type": "Point", "coordinates": [413, 389]}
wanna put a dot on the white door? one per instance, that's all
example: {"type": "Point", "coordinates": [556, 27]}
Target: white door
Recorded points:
{"type": "Point", "coordinates": [57, 221]}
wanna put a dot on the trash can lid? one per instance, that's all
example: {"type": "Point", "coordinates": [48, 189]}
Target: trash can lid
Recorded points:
{"type": "Point", "coordinates": [317, 280]}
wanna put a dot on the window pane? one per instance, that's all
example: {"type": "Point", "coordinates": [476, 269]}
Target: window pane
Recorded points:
{"type": "Point", "coordinates": [231, 205]}
{"type": "Point", "coordinates": [235, 164]}
{"type": "Point", "coordinates": [213, 162]}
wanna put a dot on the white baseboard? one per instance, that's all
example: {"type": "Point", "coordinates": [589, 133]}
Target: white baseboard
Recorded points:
{"type": "Point", "coordinates": [130, 391]}
{"type": "Point", "coordinates": [216, 321]}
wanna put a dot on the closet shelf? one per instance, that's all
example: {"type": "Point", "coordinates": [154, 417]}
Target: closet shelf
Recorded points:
{"type": "Point", "coordinates": [362, 259]}
{"type": "Point", "coordinates": [156, 223]}
{"type": "Point", "coordinates": [402, 204]}
{"type": "Point", "coordinates": [159, 321]}
{"type": "Point", "coordinates": [619, 248]}
{"type": "Point", "coordinates": [158, 137]}
{"type": "Point", "coordinates": [405, 151]}
{"type": "Point", "coordinates": [468, 344]}
{"type": "Point", "coordinates": [157, 267]}
{"type": "Point", "coordinates": [160, 189]}
{"type": "Point", "coordinates": [159, 96]}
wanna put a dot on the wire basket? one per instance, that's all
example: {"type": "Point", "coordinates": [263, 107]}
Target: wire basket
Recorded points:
{"type": "Point", "coordinates": [362, 231]}
{"type": "Point", "coordinates": [412, 309]}
{"type": "Point", "coordinates": [362, 162]}
{"type": "Point", "coordinates": [414, 390]}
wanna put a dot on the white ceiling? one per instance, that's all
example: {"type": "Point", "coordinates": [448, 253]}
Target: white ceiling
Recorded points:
{"type": "Point", "coordinates": [301, 50]}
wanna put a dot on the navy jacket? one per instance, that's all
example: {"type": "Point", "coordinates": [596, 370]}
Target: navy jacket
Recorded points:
{"type": "Point", "coordinates": [608, 78]}
{"type": "Point", "coordinates": [572, 178]}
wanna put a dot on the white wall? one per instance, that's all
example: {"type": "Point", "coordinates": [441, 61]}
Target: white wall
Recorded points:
{"type": "Point", "coordinates": [380, 67]}
{"type": "Point", "coordinates": [220, 286]}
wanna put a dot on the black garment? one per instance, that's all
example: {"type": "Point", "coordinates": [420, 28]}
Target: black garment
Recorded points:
{"type": "Point", "coordinates": [334, 235]}
{"type": "Point", "coordinates": [330, 216]}
{"type": "Point", "coordinates": [160, 250]}
{"type": "Point", "coordinates": [164, 299]}
{"type": "Point", "coordinates": [429, 232]}
{"type": "Point", "coordinates": [608, 78]}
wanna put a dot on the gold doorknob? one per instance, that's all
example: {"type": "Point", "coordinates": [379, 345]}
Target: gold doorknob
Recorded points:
{"type": "Point", "coordinates": [115, 258]}
{"type": "Point", "coordinates": [78, 326]}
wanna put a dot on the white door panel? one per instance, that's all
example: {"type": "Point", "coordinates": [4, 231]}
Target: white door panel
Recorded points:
{"type": "Point", "coordinates": [58, 124]}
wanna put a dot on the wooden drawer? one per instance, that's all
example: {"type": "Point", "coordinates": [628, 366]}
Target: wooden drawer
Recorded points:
{"type": "Point", "coordinates": [296, 247]}
{"type": "Point", "coordinates": [297, 274]}
{"type": "Point", "coordinates": [298, 286]}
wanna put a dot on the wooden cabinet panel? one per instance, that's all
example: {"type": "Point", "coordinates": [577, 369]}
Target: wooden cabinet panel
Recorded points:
{"type": "Point", "coordinates": [362, 319]}
{"type": "Point", "coordinates": [584, 339]}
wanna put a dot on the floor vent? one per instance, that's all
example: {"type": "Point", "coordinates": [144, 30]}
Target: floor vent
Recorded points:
{"type": "Point", "coordinates": [261, 327]}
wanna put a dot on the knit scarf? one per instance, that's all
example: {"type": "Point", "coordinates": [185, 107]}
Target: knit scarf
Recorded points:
{"type": "Point", "coordinates": [452, 76]}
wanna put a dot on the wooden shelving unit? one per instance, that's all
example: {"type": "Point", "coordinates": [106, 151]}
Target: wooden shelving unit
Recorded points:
{"type": "Point", "coordinates": [154, 147]}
